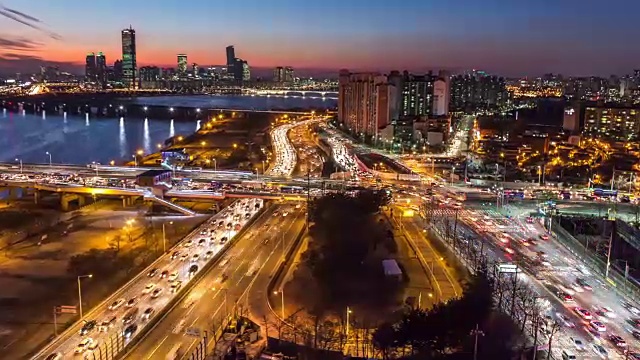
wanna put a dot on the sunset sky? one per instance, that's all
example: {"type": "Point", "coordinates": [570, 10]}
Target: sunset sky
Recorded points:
{"type": "Point", "coordinates": [510, 37]}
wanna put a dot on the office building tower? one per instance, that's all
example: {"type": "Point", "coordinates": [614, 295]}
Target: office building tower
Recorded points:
{"type": "Point", "coordinates": [246, 71]}
{"type": "Point", "coordinates": [477, 90]}
{"type": "Point", "coordinates": [90, 67]}
{"type": "Point", "coordinates": [117, 70]}
{"type": "Point", "coordinates": [365, 102]}
{"type": "Point", "coordinates": [231, 55]}
{"type": "Point", "coordinates": [194, 70]}
{"type": "Point", "coordinates": [150, 73]}
{"type": "Point", "coordinates": [101, 68]}
{"type": "Point", "coordinates": [417, 95]}
{"type": "Point", "coordinates": [129, 65]}
{"type": "Point", "coordinates": [278, 74]}
{"type": "Point", "coordinates": [288, 74]}
{"type": "Point", "coordinates": [182, 64]}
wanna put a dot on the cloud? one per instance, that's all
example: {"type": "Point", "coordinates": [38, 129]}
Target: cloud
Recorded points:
{"type": "Point", "coordinates": [27, 20]}
{"type": "Point", "coordinates": [20, 44]}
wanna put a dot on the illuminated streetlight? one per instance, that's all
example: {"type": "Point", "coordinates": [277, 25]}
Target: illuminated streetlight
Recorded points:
{"type": "Point", "coordinates": [180, 138]}
{"type": "Point", "coordinates": [20, 160]}
{"type": "Point", "coordinates": [48, 153]}
{"type": "Point", "coordinates": [140, 152]}
{"type": "Point", "coordinates": [281, 301]}
{"type": "Point", "coordinates": [159, 146]}
{"type": "Point", "coordinates": [112, 162]}
{"type": "Point", "coordinates": [198, 110]}
{"type": "Point", "coordinates": [235, 146]}
{"type": "Point", "coordinates": [145, 108]}
{"type": "Point", "coordinates": [80, 292]}
{"type": "Point", "coordinates": [171, 109]}
{"type": "Point", "coordinates": [120, 107]}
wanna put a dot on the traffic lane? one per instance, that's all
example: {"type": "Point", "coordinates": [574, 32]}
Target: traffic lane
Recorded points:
{"type": "Point", "coordinates": [204, 303]}
{"type": "Point", "coordinates": [155, 338]}
{"type": "Point", "coordinates": [238, 290]}
{"type": "Point", "coordinates": [133, 289]}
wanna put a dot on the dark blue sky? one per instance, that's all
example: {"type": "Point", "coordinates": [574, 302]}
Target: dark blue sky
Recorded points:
{"type": "Point", "coordinates": [515, 37]}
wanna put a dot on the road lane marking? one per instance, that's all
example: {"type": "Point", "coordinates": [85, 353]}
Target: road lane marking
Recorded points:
{"type": "Point", "coordinates": [157, 347]}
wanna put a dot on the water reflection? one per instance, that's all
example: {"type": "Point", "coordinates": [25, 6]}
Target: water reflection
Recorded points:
{"type": "Point", "coordinates": [79, 141]}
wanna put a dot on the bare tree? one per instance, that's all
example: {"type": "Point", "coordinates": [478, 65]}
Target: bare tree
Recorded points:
{"type": "Point", "coordinates": [552, 330]}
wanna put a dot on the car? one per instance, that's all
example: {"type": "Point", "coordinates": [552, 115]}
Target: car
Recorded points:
{"type": "Point", "coordinates": [634, 310]}
{"type": "Point", "coordinates": [92, 346]}
{"type": "Point", "coordinates": [195, 258]}
{"type": "Point", "coordinates": [565, 297]}
{"type": "Point", "coordinates": [164, 274]}
{"type": "Point", "coordinates": [132, 302]}
{"type": "Point", "coordinates": [54, 356]}
{"type": "Point", "coordinates": [106, 324]}
{"type": "Point", "coordinates": [608, 312]}
{"type": "Point", "coordinates": [600, 350]}
{"type": "Point", "coordinates": [152, 272]}
{"type": "Point", "coordinates": [635, 333]}
{"type": "Point", "coordinates": [577, 343]}
{"type": "Point", "coordinates": [184, 257]}
{"type": "Point", "coordinates": [173, 277]}
{"type": "Point", "coordinates": [576, 287]}
{"type": "Point", "coordinates": [193, 269]}
{"type": "Point", "coordinates": [88, 327]}
{"type": "Point", "coordinates": [597, 325]}
{"type": "Point", "coordinates": [618, 341]}
{"type": "Point", "coordinates": [116, 304]}
{"type": "Point", "coordinates": [129, 331]}
{"type": "Point", "coordinates": [565, 320]}
{"type": "Point", "coordinates": [223, 240]}
{"type": "Point", "coordinates": [156, 292]}
{"type": "Point", "coordinates": [601, 315]}
{"type": "Point", "coordinates": [149, 288]}
{"type": "Point", "coordinates": [187, 243]}
{"type": "Point", "coordinates": [584, 313]}
{"type": "Point", "coordinates": [585, 285]}
{"type": "Point", "coordinates": [175, 286]}
{"type": "Point", "coordinates": [544, 237]}
{"type": "Point", "coordinates": [147, 313]}
{"type": "Point", "coordinates": [175, 255]}
{"type": "Point", "coordinates": [634, 355]}
{"type": "Point", "coordinates": [202, 242]}
{"type": "Point", "coordinates": [83, 345]}
{"type": "Point", "coordinates": [130, 316]}
{"type": "Point", "coordinates": [208, 254]}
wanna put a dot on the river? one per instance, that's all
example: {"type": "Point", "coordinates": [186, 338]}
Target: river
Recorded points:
{"type": "Point", "coordinates": [80, 140]}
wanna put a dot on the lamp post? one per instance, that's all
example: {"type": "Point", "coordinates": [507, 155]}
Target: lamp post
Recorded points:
{"type": "Point", "coordinates": [80, 293]}
{"type": "Point", "coordinates": [95, 165]}
{"type": "Point", "coordinates": [347, 325]}
{"type": "Point", "coordinates": [20, 160]}
{"type": "Point", "coordinates": [50, 161]}
{"type": "Point", "coordinates": [215, 164]}
{"type": "Point", "coordinates": [164, 237]}
{"type": "Point", "coordinates": [281, 302]}
{"type": "Point", "coordinates": [135, 160]}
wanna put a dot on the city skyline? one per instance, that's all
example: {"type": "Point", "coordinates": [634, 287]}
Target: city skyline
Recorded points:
{"type": "Point", "coordinates": [501, 37]}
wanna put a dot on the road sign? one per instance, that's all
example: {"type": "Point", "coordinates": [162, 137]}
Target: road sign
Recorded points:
{"type": "Point", "coordinates": [67, 309]}
{"type": "Point", "coordinates": [507, 268]}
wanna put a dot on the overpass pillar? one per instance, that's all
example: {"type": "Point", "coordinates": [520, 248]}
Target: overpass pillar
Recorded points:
{"type": "Point", "coordinates": [15, 193]}
{"type": "Point", "coordinates": [36, 196]}
{"type": "Point", "coordinates": [81, 200]}
{"type": "Point", "coordinates": [65, 199]}
{"type": "Point", "coordinates": [125, 199]}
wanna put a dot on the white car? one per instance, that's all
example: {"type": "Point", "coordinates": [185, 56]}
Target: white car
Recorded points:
{"type": "Point", "coordinates": [609, 312]}
{"type": "Point", "coordinates": [600, 351]}
{"type": "Point", "coordinates": [187, 243]}
{"type": "Point", "coordinates": [565, 320]}
{"type": "Point", "coordinates": [149, 288]}
{"type": "Point", "coordinates": [597, 325]}
{"type": "Point", "coordinates": [195, 258]}
{"type": "Point", "coordinates": [577, 343]}
{"type": "Point", "coordinates": [116, 304]}
{"type": "Point", "coordinates": [84, 344]}
{"type": "Point", "coordinates": [173, 277]}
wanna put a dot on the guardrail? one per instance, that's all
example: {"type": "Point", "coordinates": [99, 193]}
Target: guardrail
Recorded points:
{"type": "Point", "coordinates": [131, 345]}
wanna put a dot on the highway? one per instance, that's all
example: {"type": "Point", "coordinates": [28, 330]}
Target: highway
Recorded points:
{"type": "Point", "coordinates": [553, 272]}
{"type": "Point", "coordinates": [285, 154]}
{"type": "Point", "coordinates": [215, 296]}
{"type": "Point", "coordinates": [153, 288]}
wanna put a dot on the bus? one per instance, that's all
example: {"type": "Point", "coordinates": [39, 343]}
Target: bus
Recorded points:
{"type": "Point", "coordinates": [603, 193]}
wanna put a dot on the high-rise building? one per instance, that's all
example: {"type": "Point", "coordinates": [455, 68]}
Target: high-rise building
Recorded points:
{"type": "Point", "coordinates": [477, 90]}
{"type": "Point", "coordinates": [231, 55]}
{"type": "Point", "coordinates": [365, 102]}
{"type": "Point", "coordinates": [417, 95]}
{"type": "Point", "coordinates": [182, 64]}
{"type": "Point", "coordinates": [278, 74]}
{"type": "Point", "coordinates": [194, 69]}
{"type": "Point", "coordinates": [246, 71]}
{"type": "Point", "coordinates": [440, 97]}
{"type": "Point", "coordinates": [90, 67]}
{"type": "Point", "coordinates": [129, 65]}
{"type": "Point", "coordinates": [150, 73]}
{"type": "Point", "coordinates": [101, 68]}
{"type": "Point", "coordinates": [288, 74]}
{"type": "Point", "coordinates": [117, 70]}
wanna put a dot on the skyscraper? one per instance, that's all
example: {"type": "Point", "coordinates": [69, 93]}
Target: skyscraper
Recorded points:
{"type": "Point", "coordinates": [417, 95]}
{"type": "Point", "coordinates": [365, 102]}
{"type": "Point", "coordinates": [278, 74]}
{"type": "Point", "coordinates": [129, 66]}
{"type": "Point", "coordinates": [231, 55]}
{"type": "Point", "coordinates": [90, 67]}
{"type": "Point", "coordinates": [182, 64]}
{"type": "Point", "coordinates": [101, 68]}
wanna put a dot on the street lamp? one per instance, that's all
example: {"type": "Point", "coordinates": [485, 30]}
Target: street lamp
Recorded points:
{"type": "Point", "coordinates": [347, 325]}
{"type": "Point", "coordinates": [20, 160]}
{"type": "Point", "coordinates": [215, 164]}
{"type": "Point", "coordinates": [164, 237]}
{"type": "Point", "coordinates": [171, 109]}
{"type": "Point", "coordinates": [95, 165]}
{"type": "Point", "coordinates": [80, 293]}
{"type": "Point", "coordinates": [48, 153]}
{"type": "Point", "coordinates": [135, 160]}
{"type": "Point", "coordinates": [281, 301]}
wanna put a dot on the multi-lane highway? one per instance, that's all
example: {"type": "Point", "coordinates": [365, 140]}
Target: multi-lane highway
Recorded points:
{"type": "Point", "coordinates": [285, 154]}
{"type": "Point", "coordinates": [112, 324]}
{"type": "Point", "coordinates": [223, 291]}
